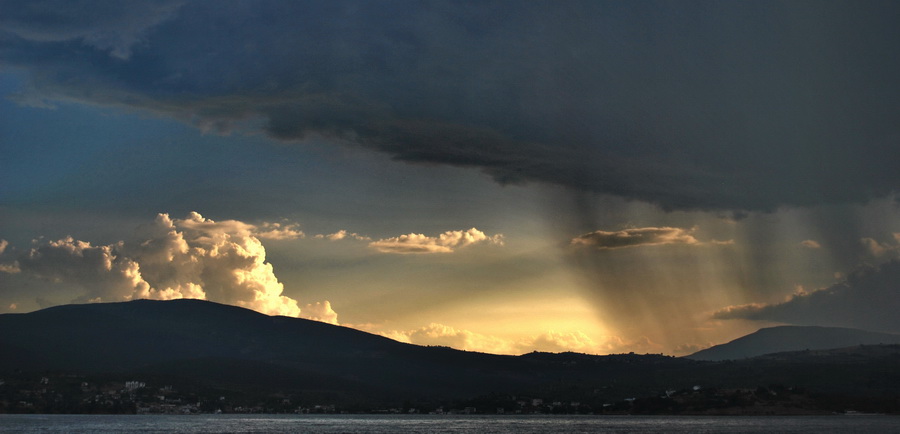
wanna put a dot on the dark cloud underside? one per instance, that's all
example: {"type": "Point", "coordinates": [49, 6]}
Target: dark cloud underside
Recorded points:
{"type": "Point", "coordinates": [699, 105]}
{"type": "Point", "coordinates": [865, 300]}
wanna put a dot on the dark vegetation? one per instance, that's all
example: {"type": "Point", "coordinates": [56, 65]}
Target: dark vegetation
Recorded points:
{"type": "Point", "coordinates": [187, 356]}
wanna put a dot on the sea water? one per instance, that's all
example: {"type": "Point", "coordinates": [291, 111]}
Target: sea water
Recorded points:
{"type": "Point", "coordinates": [444, 424]}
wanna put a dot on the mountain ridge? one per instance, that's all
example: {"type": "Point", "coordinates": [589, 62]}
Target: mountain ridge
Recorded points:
{"type": "Point", "coordinates": [781, 339]}
{"type": "Point", "coordinates": [149, 336]}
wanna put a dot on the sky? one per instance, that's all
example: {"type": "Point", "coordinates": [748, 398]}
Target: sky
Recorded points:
{"type": "Point", "coordinates": [495, 176]}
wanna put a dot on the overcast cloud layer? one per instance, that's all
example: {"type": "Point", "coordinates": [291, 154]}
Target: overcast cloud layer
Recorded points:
{"type": "Point", "coordinates": [707, 105]}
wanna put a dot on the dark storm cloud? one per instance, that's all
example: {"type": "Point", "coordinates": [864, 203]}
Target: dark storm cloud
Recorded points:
{"type": "Point", "coordinates": [867, 299]}
{"type": "Point", "coordinates": [689, 105]}
{"type": "Point", "coordinates": [107, 25]}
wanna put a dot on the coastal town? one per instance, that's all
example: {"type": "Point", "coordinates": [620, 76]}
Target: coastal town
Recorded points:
{"type": "Point", "coordinates": [51, 394]}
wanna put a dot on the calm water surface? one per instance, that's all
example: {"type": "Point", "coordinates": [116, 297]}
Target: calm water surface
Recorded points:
{"type": "Point", "coordinates": [444, 424]}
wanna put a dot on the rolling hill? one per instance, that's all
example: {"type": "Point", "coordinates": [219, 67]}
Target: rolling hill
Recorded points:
{"type": "Point", "coordinates": [235, 347]}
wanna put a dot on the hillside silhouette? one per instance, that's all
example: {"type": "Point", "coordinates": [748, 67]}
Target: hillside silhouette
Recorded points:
{"type": "Point", "coordinates": [792, 338]}
{"type": "Point", "coordinates": [217, 350]}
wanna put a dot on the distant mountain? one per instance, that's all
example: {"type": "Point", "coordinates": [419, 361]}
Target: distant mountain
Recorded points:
{"type": "Point", "coordinates": [78, 358]}
{"type": "Point", "coordinates": [792, 338]}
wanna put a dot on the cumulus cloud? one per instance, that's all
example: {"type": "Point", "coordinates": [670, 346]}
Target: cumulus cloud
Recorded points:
{"type": "Point", "coordinates": [321, 311]}
{"type": "Point", "coordinates": [279, 231]}
{"type": "Point", "coordinates": [194, 257]}
{"type": "Point", "coordinates": [442, 335]}
{"type": "Point", "coordinates": [108, 274]}
{"type": "Point", "coordinates": [866, 299]}
{"type": "Point", "coordinates": [556, 342]}
{"type": "Point", "coordinates": [636, 237]}
{"type": "Point", "coordinates": [446, 242]}
{"type": "Point", "coordinates": [551, 341]}
{"type": "Point", "coordinates": [343, 234]}
{"type": "Point", "coordinates": [605, 97]}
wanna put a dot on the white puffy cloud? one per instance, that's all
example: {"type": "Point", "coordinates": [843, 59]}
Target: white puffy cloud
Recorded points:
{"type": "Point", "coordinates": [194, 257]}
{"type": "Point", "coordinates": [320, 311]}
{"type": "Point", "coordinates": [446, 242]}
{"type": "Point", "coordinates": [343, 234]}
{"type": "Point", "coordinates": [279, 231]}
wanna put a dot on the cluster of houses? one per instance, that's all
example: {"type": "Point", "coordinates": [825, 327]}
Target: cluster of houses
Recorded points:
{"type": "Point", "coordinates": [70, 394]}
